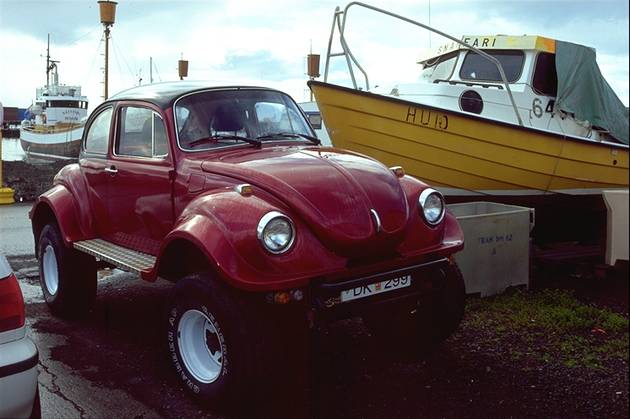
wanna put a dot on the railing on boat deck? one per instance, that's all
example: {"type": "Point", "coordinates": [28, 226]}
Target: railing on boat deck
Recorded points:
{"type": "Point", "coordinates": [341, 25]}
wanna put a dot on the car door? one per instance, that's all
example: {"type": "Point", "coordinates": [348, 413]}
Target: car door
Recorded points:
{"type": "Point", "coordinates": [94, 166]}
{"type": "Point", "coordinates": [139, 204]}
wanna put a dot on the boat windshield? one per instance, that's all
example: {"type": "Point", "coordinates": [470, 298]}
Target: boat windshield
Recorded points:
{"type": "Point", "coordinates": [218, 118]}
{"type": "Point", "coordinates": [440, 68]}
{"type": "Point", "coordinates": [477, 67]}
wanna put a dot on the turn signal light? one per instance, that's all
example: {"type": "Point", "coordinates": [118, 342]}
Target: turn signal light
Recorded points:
{"type": "Point", "coordinates": [244, 189]}
{"type": "Point", "coordinates": [398, 171]}
{"type": "Point", "coordinates": [285, 297]}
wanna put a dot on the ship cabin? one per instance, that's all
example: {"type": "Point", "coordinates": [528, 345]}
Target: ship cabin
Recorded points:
{"type": "Point", "coordinates": [59, 104]}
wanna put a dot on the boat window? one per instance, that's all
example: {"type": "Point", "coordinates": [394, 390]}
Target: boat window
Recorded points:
{"type": "Point", "coordinates": [141, 133]}
{"type": "Point", "coordinates": [441, 68]}
{"type": "Point", "coordinates": [215, 119]}
{"type": "Point", "coordinates": [477, 67]}
{"type": "Point", "coordinates": [545, 77]}
{"type": "Point", "coordinates": [97, 138]}
{"type": "Point", "coordinates": [315, 118]}
{"type": "Point", "coordinates": [63, 104]}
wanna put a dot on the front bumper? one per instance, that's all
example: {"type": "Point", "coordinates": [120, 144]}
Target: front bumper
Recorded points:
{"type": "Point", "coordinates": [426, 279]}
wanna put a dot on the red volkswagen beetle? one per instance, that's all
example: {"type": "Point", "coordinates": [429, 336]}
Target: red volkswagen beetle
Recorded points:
{"type": "Point", "coordinates": [226, 192]}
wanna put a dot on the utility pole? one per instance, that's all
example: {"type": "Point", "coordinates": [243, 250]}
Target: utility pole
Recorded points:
{"type": "Point", "coordinates": [150, 70]}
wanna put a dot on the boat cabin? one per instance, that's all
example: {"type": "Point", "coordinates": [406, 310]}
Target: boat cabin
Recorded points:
{"type": "Point", "coordinates": [457, 78]}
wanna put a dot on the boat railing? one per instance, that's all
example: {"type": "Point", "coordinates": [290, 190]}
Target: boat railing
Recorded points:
{"type": "Point", "coordinates": [340, 23]}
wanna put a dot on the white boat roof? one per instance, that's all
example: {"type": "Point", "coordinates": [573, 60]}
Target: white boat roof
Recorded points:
{"type": "Point", "coordinates": [522, 42]}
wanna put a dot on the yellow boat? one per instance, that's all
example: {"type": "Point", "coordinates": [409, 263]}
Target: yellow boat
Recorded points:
{"type": "Point", "coordinates": [467, 154]}
{"type": "Point", "coordinates": [492, 116]}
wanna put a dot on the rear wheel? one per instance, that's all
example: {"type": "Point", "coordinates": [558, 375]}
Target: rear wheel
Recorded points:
{"type": "Point", "coordinates": [421, 326]}
{"type": "Point", "coordinates": [67, 276]}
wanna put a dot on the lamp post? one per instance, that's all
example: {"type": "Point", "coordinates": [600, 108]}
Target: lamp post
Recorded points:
{"type": "Point", "coordinates": [312, 62]}
{"type": "Point", "coordinates": [108, 17]}
{"type": "Point", "coordinates": [182, 67]}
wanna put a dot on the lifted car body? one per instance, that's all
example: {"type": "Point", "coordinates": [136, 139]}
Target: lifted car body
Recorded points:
{"type": "Point", "coordinates": [253, 201]}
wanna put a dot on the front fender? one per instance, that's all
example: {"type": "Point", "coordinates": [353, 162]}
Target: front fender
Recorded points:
{"type": "Point", "coordinates": [228, 239]}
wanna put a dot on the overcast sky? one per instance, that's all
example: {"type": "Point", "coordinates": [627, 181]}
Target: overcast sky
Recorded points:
{"type": "Point", "coordinates": [267, 40]}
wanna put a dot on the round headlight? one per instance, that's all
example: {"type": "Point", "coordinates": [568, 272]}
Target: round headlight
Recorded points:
{"type": "Point", "coordinates": [431, 205]}
{"type": "Point", "coordinates": [276, 232]}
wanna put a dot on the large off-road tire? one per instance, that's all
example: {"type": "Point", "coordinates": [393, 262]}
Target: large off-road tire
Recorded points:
{"type": "Point", "coordinates": [212, 342]}
{"type": "Point", "coordinates": [227, 347]}
{"type": "Point", "coordinates": [67, 276]}
{"type": "Point", "coordinates": [419, 327]}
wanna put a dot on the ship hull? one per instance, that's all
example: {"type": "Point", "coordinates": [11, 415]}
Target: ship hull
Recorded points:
{"type": "Point", "coordinates": [64, 142]}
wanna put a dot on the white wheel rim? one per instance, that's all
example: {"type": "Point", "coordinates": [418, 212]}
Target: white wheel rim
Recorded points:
{"type": "Point", "coordinates": [200, 346]}
{"type": "Point", "coordinates": [51, 273]}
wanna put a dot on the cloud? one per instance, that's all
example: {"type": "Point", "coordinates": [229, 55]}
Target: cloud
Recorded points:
{"type": "Point", "coordinates": [268, 41]}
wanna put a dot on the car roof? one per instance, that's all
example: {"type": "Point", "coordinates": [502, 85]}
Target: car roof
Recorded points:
{"type": "Point", "coordinates": [164, 94]}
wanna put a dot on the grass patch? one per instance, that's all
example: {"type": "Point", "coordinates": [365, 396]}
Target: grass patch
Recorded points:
{"type": "Point", "coordinates": [553, 325]}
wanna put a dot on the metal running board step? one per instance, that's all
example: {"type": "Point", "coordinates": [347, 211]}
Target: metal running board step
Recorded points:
{"type": "Point", "coordinates": [119, 256]}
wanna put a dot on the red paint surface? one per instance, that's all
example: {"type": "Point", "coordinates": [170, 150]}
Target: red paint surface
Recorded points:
{"type": "Point", "coordinates": [327, 192]}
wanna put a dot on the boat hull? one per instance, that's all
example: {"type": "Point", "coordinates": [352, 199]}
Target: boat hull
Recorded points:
{"type": "Point", "coordinates": [466, 155]}
{"type": "Point", "coordinates": [65, 142]}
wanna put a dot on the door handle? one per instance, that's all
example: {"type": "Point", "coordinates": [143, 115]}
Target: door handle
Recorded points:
{"type": "Point", "coordinates": [111, 170]}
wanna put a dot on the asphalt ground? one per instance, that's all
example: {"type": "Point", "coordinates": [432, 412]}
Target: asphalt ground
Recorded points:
{"type": "Point", "coordinates": [16, 237]}
{"type": "Point", "coordinates": [113, 362]}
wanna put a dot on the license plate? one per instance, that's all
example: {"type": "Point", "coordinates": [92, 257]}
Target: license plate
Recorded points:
{"type": "Point", "coordinates": [376, 288]}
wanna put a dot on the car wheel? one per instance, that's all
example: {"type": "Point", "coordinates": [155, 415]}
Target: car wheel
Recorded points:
{"type": "Point", "coordinates": [417, 328]}
{"type": "Point", "coordinates": [213, 343]}
{"type": "Point", "coordinates": [67, 276]}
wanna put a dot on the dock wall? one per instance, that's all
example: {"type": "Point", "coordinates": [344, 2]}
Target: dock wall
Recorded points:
{"type": "Point", "coordinates": [29, 180]}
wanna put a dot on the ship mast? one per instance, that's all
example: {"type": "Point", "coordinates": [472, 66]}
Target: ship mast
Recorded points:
{"type": "Point", "coordinates": [50, 64]}
{"type": "Point", "coordinates": [108, 17]}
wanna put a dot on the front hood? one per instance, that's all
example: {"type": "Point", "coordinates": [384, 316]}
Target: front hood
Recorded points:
{"type": "Point", "coordinates": [331, 190]}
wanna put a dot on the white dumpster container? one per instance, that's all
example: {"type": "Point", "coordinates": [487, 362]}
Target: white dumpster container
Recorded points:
{"type": "Point", "coordinates": [496, 251]}
{"type": "Point", "coordinates": [617, 225]}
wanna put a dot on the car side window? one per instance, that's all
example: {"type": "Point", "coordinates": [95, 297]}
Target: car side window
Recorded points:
{"type": "Point", "coordinates": [97, 138]}
{"type": "Point", "coordinates": [141, 133]}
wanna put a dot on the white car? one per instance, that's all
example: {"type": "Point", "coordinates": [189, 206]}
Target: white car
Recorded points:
{"type": "Point", "coordinates": [19, 394]}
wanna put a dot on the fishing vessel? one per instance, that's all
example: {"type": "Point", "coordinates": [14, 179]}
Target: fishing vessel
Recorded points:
{"type": "Point", "coordinates": [526, 120]}
{"type": "Point", "coordinates": [54, 123]}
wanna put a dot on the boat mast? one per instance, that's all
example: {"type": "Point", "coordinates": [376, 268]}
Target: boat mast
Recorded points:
{"type": "Point", "coordinates": [48, 63]}
{"type": "Point", "coordinates": [108, 16]}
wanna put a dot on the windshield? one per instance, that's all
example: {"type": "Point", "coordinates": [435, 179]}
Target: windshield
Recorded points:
{"type": "Point", "coordinates": [477, 67]}
{"type": "Point", "coordinates": [213, 119]}
{"type": "Point", "coordinates": [439, 68]}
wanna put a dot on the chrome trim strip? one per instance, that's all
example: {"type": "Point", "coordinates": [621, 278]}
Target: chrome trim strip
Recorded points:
{"type": "Point", "coordinates": [357, 282]}
{"type": "Point", "coordinates": [377, 221]}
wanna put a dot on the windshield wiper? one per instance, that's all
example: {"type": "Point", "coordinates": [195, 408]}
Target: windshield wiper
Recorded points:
{"type": "Point", "coordinates": [314, 140]}
{"type": "Point", "coordinates": [212, 138]}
